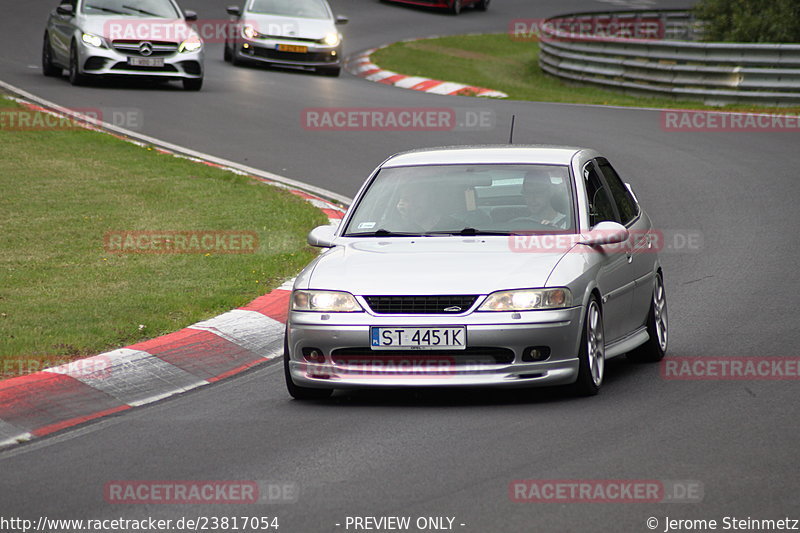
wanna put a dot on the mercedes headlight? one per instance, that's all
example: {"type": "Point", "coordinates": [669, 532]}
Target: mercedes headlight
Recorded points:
{"type": "Point", "coordinates": [92, 40]}
{"type": "Point", "coordinates": [324, 302]}
{"type": "Point", "coordinates": [332, 39]}
{"type": "Point", "coordinates": [527, 300]}
{"type": "Point", "coordinates": [192, 44]}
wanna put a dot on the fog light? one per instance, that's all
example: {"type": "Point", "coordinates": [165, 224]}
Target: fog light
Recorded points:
{"type": "Point", "coordinates": [245, 45]}
{"type": "Point", "coordinates": [313, 355]}
{"type": "Point", "coordinates": [535, 353]}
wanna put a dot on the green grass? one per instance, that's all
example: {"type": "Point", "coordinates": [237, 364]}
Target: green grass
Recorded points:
{"type": "Point", "coordinates": [62, 295]}
{"type": "Point", "coordinates": [496, 61]}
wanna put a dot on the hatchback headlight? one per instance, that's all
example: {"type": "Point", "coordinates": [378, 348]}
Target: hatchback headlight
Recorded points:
{"type": "Point", "coordinates": [249, 32]}
{"type": "Point", "coordinates": [92, 40]}
{"type": "Point", "coordinates": [332, 39]}
{"type": "Point", "coordinates": [324, 302]}
{"type": "Point", "coordinates": [527, 299]}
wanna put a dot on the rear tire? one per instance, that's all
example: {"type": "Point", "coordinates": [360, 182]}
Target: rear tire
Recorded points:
{"type": "Point", "coordinates": [483, 5]}
{"type": "Point", "coordinates": [655, 348]}
{"type": "Point", "coordinates": [592, 355]}
{"type": "Point", "coordinates": [48, 68]}
{"type": "Point", "coordinates": [192, 84]}
{"type": "Point", "coordinates": [75, 77]}
{"type": "Point", "coordinates": [295, 391]}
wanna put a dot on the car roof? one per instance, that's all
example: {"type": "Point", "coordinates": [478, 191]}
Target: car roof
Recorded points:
{"type": "Point", "coordinates": [485, 154]}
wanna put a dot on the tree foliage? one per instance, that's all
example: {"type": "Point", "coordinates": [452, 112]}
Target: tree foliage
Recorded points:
{"type": "Point", "coordinates": [750, 21]}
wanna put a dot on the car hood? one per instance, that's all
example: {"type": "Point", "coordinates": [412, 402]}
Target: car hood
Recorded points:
{"type": "Point", "coordinates": [114, 27]}
{"type": "Point", "coordinates": [428, 265]}
{"type": "Point", "coordinates": [290, 27]}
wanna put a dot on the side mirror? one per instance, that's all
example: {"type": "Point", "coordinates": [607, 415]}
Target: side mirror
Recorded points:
{"type": "Point", "coordinates": [605, 233]}
{"type": "Point", "coordinates": [236, 11]}
{"type": "Point", "coordinates": [341, 21]}
{"type": "Point", "coordinates": [190, 16]}
{"type": "Point", "coordinates": [322, 236]}
{"type": "Point", "coordinates": [66, 9]}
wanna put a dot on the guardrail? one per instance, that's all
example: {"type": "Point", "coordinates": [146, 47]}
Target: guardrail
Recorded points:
{"type": "Point", "coordinates": [655, 52]}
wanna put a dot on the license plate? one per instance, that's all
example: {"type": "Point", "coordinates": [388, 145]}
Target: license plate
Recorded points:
{"type": "Point", "coordinates": [146, 61]}
{"type": "Point", "coordinates": [419, 338]}
{"type": "Point", "coordinates": [292, 48]}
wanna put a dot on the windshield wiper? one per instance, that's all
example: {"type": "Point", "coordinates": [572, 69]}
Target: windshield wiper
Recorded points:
{"type": "Point", "coordinates": [104, 9]}
{"type": "Point", "coordinates": [142, 11]}
{"type": "Point", "coordinates": [468, 232]}
{"type": "Point", "coordinates": [385, 233]}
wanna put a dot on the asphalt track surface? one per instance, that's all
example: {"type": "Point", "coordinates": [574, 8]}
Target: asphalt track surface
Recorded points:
{"type": "Point", "coordinates": [435, 453]}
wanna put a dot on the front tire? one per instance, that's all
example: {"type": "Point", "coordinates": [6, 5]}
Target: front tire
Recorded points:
{"type": "Point", "coordinates": [226, 55]}
{"type": "Point", "coordinates": [75, 77]}
{"type": "Point", "coordinates": [483, 5]}
{"type": "Point", "coordinates": [192, 84]}
{"type": "Point", "coordinates": [592, 355]}
{"type": "Point", "coordinates": [455, 8]}
{"type": "Point", "coordinates": [655, 348]}
{"type": "Point", "coordinates": [48, 68]}
{"type": "Point", "coordinates": [295, 391]}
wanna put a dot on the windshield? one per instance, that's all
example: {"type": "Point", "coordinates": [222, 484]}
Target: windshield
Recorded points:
{"type": "Point", "coordinates": [311, 9]}
{"type": "Point", "coordinates": [138, 8]}
{"type": "Point", "coordinates": [465, 200]}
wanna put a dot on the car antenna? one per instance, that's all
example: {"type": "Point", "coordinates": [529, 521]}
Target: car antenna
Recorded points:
{"type": "Point", "coordinates": [511, 134]}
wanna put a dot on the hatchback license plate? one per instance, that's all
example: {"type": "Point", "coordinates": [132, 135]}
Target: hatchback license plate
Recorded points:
{"type": "Point", "coordinates": [292, 48]}
{"type": "Point", "coordinates": [454, 338]}
{"type": "Point", "coordinates": [146, 61]}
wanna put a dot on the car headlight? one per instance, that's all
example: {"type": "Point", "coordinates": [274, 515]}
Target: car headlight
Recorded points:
{"type": "Point", "coordinates": [192, 44]}
{"type": "Point", "coordinates": [332, 39]}
{"type": "Point", "coordinates": [249, 32]}
{"type": "Point", "coordinates": [527, 299]}
{"type": "Point", "coordinates": [324, 302]}
{"type": "Point", "coordinates": [92, 40]}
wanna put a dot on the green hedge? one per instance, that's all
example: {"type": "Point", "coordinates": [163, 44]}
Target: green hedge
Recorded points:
{"type": "Point", "coordinates": [750, 21]}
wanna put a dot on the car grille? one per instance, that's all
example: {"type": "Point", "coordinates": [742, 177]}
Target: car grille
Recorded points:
{"type": "Point", "coordinates": [420, 305]}
{"type": "Point", "coordinates": [310, 57]}
{"type": "Point", "coordinates": [131, 47]}
{"type": "Point", "coordinates": [125, 66]}
{"type": "Point", "coordinates": [472, 355]}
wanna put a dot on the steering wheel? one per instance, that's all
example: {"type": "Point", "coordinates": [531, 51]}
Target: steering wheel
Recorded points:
{"type": "Point", "coordinates": [531, 224]}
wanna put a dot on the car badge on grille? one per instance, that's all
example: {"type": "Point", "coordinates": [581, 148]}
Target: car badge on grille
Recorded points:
{"type": "Point", "coordinates": [452, 309]}
{"type": "Point", "coordinates": [146, 48]}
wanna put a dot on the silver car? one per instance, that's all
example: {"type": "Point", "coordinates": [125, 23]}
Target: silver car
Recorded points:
{"type": "Point", "coordinates": [150, 38]}
{"type": "Point", "coordinates": [289, 33]}
{"type": "Point", "coordinates": [469, 266]}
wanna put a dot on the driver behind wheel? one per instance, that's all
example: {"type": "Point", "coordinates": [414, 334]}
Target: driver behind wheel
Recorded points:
{"type": "Point", "coordinates": [539, 194]}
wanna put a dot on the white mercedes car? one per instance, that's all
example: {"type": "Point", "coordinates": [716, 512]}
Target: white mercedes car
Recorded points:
{"type": "Point", "coordinates": [143, 38]}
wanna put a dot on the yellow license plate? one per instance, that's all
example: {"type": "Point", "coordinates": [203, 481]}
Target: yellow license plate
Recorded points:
{"type": "Point", "coordinates": [292, 48]}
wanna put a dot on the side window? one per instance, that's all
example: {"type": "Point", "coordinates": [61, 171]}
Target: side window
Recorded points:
{"type": "Point", "coordinates": [626, 205]}
{"type": "Point", "coordinates": [600, 207]}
